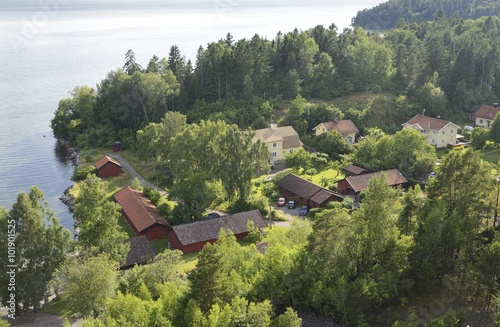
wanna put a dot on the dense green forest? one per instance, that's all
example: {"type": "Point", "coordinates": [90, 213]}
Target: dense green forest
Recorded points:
{"type": "Point", "coordinates": [386, 15]}
{"type": "Point", "coordinates": [447, 67]}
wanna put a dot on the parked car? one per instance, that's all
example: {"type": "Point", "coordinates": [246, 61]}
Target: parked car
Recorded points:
{"type": "Point", "coordinates": [212, 215]}
{"type": "Point", "coordinates": [291, 204]}
{"type": "Point", "coordinates": [304, 210]}
{"type": "Point", "coordinates": [281, 202]}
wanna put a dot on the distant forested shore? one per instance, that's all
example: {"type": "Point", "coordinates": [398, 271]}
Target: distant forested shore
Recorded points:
{"type": "Point", "coordinates": [386, 15]}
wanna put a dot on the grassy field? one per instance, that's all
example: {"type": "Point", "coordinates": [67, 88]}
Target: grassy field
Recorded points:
{"type": "Point", "coordinates": [491, 156]}
{"type": "Point", "coordinates": [58, 307]}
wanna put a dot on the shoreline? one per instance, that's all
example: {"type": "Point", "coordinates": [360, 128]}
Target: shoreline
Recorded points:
{"type": "Point", "coordinates": [74, 156]}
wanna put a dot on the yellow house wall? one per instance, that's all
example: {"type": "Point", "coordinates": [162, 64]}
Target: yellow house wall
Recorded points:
{"type": "Point", "coordinates": [483, 122]}
{"type": "Point", "coordinates": [278, 149]}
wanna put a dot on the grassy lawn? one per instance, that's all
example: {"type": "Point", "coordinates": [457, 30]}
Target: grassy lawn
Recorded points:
{"type": "Point", "coordinates": [327, 173]}
{"type": "Point", "coordinates": [57, 307]}
{"type": "Point", "coordinates": [190, 261]}
{"type": "Point", "coordinates": [159, 245]}
{"type": "Point", "coordinates": [491, 156]}
{"type": "Point", "coordinates": [123, 223]}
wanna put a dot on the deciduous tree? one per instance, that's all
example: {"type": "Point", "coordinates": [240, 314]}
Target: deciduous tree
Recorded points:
{"type": "Point", "coordinates": [40, 246]}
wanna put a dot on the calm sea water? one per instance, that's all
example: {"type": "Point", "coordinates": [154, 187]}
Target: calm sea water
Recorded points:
{"type": "Point", "coordinates": [48, 47]}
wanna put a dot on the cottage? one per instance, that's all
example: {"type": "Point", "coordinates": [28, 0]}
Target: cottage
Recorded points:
{"type": "Point", "coordinates": [305, 192]}
{"type": "Point", "coordinates": [279, 141]}
{"type": "Point", "coordinates": [344, 127]}
{"type": "Point", "coordinates": [107, 166]}
{"type": "Point", "coordinates": [439, 132]}
{"type": "Point", "coordinates": [141, 251]}
{"type": "Point", "coordinates": [141, 214]}
{"type": "Point", "coordinates": [485, 114]}
{"type": "Point", "coordinates": [354, 185]}
{"type": "Point", "coordinates": [193, 237]}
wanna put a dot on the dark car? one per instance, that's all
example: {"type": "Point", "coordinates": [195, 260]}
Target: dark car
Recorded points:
{"type": "Point", "coordinates": [291, 204]}
{"type": "Point", "coordinates": [304, 210]}
{"type": "Point", "coordinates": [212, 215]}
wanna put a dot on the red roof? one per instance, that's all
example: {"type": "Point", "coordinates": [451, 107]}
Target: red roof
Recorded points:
{"type": "Point", "coordinates": [141, 212]}
{"type": "Point", "coordinates": [487, 112]}
{"type": "Point", "coordinates": [344, 127]}
{"type": "Point", "coordinates": [104, 161]}
{"type": "Point", "coordinates": [360, 182]}
{"type": "Point", "coordinates": [427, 123]}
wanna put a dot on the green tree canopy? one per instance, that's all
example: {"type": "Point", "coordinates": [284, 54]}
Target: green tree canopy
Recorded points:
{"type": "Point", "coordinates": [41, 245]}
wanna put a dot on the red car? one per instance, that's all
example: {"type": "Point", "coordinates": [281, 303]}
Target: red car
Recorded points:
{"type": "Point", "coordinates": [281, 202]}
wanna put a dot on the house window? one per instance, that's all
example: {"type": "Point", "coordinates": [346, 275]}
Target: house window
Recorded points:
{"type": "Point", "coordinates": [451, 132]}
{"type": "Point", "coordinates": [275, 145]}
{"type": "Point", "coordinates": [274, 154]}
{"type": "Point", "coordinates": [433, 132]}
{"type": "Point", "coordinates": [443, 132]}
{"type": "Point", "coordinates": [480, 121]}
{"type": "Point", "coordinates": [433, 141]}
{"type": "Point", "coordinates": [291, 150]}
{"type": "Point", "coordinates": [442, 141]}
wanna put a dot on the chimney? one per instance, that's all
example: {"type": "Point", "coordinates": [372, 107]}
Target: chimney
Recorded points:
{"type": "Point", "coordinates": [495, 105]}
{"type": "Point", "coordinates": [438, 117]}
{"type": "Point", "coordinates": [274, 126]}
{"type": "Point", "coordinates": [336, 120]}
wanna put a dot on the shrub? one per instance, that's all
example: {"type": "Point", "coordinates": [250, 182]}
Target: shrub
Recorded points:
{"type": "Point", "coordinates": [254, 235]}
{"type": "Point", "coordinates": [311, 171]}
{"type": "Point", "coordinates": [164, 209]}
{"type": "Point", "coordinates": [81, 173]}
{"type": "Point", "coordinates": [153, 195]}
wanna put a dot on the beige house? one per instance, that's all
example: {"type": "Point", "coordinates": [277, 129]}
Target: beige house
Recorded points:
{"type": "Point", "coordinates": [439, 132]}
{"type": "Point", "coordinates": [485, 115]}
{"type": "Point", "coordinates": [344, 127]}
{"type": "Point", "coordinates": [279, 141]}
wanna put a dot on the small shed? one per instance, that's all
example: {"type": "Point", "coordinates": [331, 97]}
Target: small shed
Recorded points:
{"type": "Point", "coordinates": [107, 166]}
{"type": "Point", "coordinates": [141, 214]}
{"type": "Point", "coordinates": [141, 251]}
{"type": "Point", "coordinates": [193, 237]}
{"type": "Point", "coordinates": [116, 146]}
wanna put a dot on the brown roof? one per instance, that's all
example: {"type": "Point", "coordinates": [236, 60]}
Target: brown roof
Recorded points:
{"type": "Point", "coordinates": [141, 212]}
{"type": "Point", "coordinates": [324, 195]}
{"type": "Point", "coordinates": [360, 182]}
{"type": "Point", "coordinates": [344, 127]}
{"type": "Point", "coordinates": [354, 169]}
{"type": "Point", "coordinates": [299, 186]}
{"type": "Point", "coordinates": [426, 123]}
{"type": "Point", "coordinates": [287, 134]}
{"type": "Point", "coordinates": [140, 251]}
{"type": "Point", "coordinates": [104, 161]}
{"type": "Point", "coordinates": [205, 230]}
{"type": "Point", "coordinates": [487, 112]}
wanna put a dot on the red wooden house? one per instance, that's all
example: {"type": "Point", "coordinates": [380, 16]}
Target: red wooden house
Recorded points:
{"type": "Point", "coordinates": [141, 214]}
{"type": "Point", "coordinates": [193, 237]}
{"type": "Point", "coordinates": [107, 166]}
{"type": "Point", "coordinates": [354, 185]}
{"type": "Point", "coordinates": [303, 191]}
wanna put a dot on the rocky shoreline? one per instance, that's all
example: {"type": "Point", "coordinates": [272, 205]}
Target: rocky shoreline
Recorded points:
{"type": "Point", "coordinates": [74, 156]}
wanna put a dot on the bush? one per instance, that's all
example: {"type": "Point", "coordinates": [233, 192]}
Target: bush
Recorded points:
{"type": "Point", "coordinates": [164, 209]}
{"type": "Point", "coordinates": [311, 171]}
{"type": "Point", "coordinates": [152, 194]}
{"type": "Point", "coordinates": [242, 205]}
{"type": "Point", "coordinates": [254, 235]}
{"type": "Point", "coordinates": [81, 173]}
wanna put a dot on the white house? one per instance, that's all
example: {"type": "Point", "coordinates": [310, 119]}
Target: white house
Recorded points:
{"type": "Point", "coordinates": [279, 141]}
{"type": "Point", "coordinates": [439, 132]}
{"type": "Point", "coordinates": [485, 115]}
